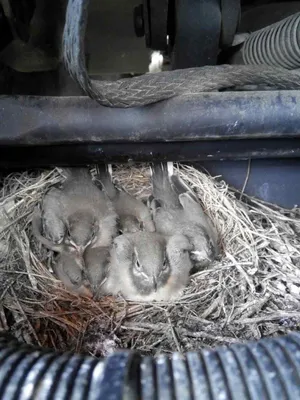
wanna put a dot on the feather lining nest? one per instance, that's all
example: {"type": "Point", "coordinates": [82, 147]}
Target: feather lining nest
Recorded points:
{"type": "Point", "coordinates": [252, 292]}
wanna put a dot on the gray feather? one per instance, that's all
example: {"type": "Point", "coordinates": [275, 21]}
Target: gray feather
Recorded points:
{"type": "Point", "coordinates": [104, 176]}
{"type": "Point", "coordinates": [127, 207]}
{"type": "Point", "coordinates": [161, 185]}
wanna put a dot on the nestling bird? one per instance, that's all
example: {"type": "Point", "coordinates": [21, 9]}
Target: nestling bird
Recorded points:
{"type": "Point", "coordinates": [178, 249]}
{"type": "Point", "coordinates": [145, 266]}
{"type": "Point", "coordinates": [176, 210]}
{"type": "Point", "coordinates": [132, 212]}
{"type": "Point", "coordinates": [96, 261]}
{"type": "Point", "coordinates": [69, 264]}
{"type": "Point", "coordinates": [53, 225]}
{"type": "Point", "coordinates": [69, 269]}
{"type": "Point", "coordinates": [129, 224]}
{"type": "Point", "coordinates": [78, 213]}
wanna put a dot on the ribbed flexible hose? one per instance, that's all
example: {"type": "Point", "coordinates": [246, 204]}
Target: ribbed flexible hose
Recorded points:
{"type": "Point", "coordinates": [276, 45]}
{"type": "Point", "coordinates": [268, 369]}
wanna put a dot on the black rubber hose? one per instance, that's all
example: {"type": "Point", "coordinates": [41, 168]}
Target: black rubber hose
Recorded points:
{"type": "Point", "coordinates": [268, 369]}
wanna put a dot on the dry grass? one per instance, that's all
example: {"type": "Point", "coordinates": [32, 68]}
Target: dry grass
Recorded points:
{"type": "Point", "coordinates": [253, 291]}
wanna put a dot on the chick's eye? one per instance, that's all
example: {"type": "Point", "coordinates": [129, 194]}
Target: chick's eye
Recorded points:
{"type": "Point", "coordinates": [138, 265]}
{"type": "Point", "coordinates": [93, 237]}
{"type": "Point", "coordinates": [165, 265]}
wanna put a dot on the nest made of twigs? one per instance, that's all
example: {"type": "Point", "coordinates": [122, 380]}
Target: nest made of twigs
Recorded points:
{"type": "Point", "coordinates": [252, 292]}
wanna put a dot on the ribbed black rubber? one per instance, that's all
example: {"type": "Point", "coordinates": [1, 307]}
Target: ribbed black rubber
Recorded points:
{"type": "Point", "coordinates": [268, 369]}
{"type": "Point", "coordinates": [276, 45]}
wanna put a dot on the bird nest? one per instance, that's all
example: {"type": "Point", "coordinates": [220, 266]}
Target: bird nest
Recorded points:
{"type": "Point", "coordinates": [253, 291]}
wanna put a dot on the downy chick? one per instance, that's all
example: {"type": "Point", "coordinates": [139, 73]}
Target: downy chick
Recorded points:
{"type": "Point", "coordinates": [53, 226]}
{"type": "Point", "coordinates": [78, 213]}
{"type": "Point", "coordinates": [69, 264]}
{"type": "Point", "coordinates": [132, 212]}
{"type": "Point", "coordinates": [96, 261]}
{"type": "Point", "coordinates": [176, 210]}
{"type": "Point", "coordinates": [69, 270]}
{"type": "Point", "coordinates": [129, 224]}
{"type": "Point", "coordinates": [178, 254]}
{"type": "Point", "coordinates": [141, 268]}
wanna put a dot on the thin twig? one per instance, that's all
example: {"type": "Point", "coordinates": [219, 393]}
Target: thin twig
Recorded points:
{"type": "Point", "coordinates": [161, 327]}
{"type": "Point", "coordinates": [174, 333]}
{"type": "Point", "coordinates": [246, 179]}
{"type": "Point", "coordinates": [3, 320]}
{"type": "Point", "coordinates": [270, 317]}
{"type": "Point", "coordinates": [25, 317]}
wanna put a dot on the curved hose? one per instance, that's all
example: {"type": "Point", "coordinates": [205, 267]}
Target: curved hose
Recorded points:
{"type": "Point", "coordinates": [277, 45]}
{"type": "Point", "coordinates": [267, 369]}
{"type": "Point", "coordinates": [151, 88]}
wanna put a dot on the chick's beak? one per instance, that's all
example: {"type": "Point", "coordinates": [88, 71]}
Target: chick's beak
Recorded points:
{"type": "Point", "coordinates": [199, 255]}
{"type": "Point", "coordinates": [79, 248]}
